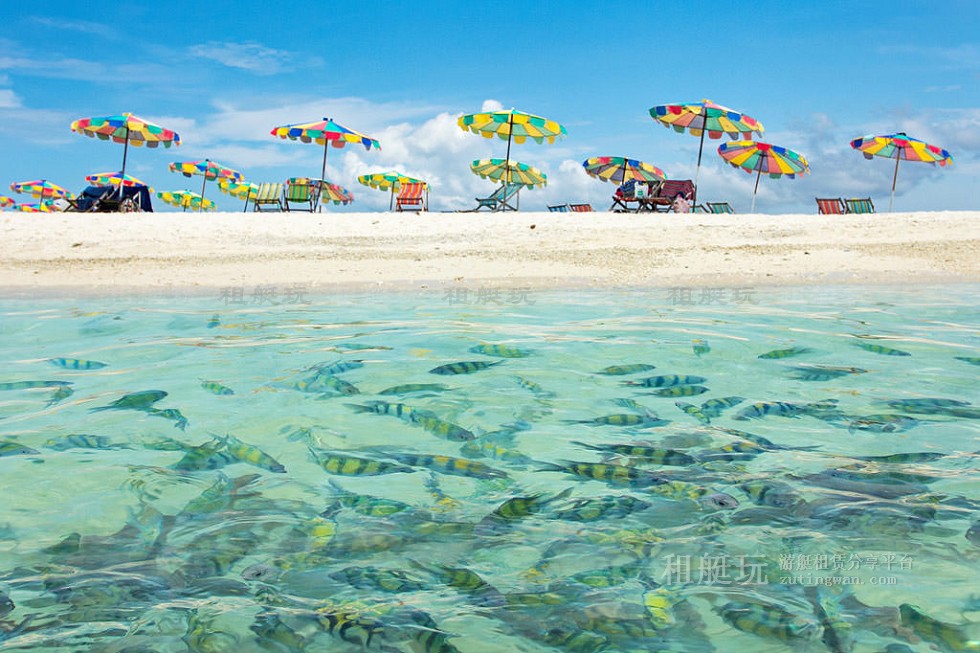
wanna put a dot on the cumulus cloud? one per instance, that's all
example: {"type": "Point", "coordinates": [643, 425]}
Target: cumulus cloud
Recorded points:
{"type": "Point", "coordinates": [251, 56]}
{"type": "Point", "coordinates": [9, 99]}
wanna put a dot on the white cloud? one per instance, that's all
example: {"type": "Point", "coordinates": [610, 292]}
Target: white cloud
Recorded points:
{"type": "Point", "coordinates": [9, 99]}
{"type": "Point", "coordinates": [251, 56]}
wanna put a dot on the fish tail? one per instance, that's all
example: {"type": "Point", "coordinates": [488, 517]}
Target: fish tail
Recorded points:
{"type": "Point", "coordinates": [361, 408]}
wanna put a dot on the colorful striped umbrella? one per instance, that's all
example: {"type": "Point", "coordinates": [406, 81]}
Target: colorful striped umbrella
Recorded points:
{"type": "Point", "coordinates": [754, 156]}
{"type": "Point", "coordinates": [41, 188]}
{"type": "Point", "coordinates": [324, 132]}
{"type": "Point", "coordinates": [327, 190]}
{"type": "Point", "coordinates": [509, 172]}
{"type": "Point", "coordinates": [7, 202]}
{"type": "Point", "coordinates": [243, 190]}
{"type": "Point", "coordinates": [126, 128]}
{"type": "Point", "coordinates": [113, 179]}
{"type": "Point", "coordinates": [185, 199]}
{"type": "Point", "coordinates": [513, 125]}
{"type": "Point", "coordinates": [619, 169]}
{"type": "Point", "coordinates": [390, 181]}
{"type": "Point", "coordinates": [900, 146]}
{"type": "Point", "coordinates": [208, 169]}
{"type": "Point", "coordinates": [44, 206]}
{"type": "Point", "coordinates": [706, 116]}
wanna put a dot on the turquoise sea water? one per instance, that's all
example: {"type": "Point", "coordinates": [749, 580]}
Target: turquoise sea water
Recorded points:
{"type": "Point", "coordinates": [232, 508]}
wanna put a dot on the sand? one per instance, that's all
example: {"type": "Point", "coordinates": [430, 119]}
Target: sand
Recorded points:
{"type": "Point", "coordinates": [342, 251]}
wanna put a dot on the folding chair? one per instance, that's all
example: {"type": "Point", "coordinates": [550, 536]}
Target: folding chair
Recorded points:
{"type": "Point", "coordinates": [720, 207]}
{"type": "Point", "coordinates": [559, 208]}
{"type": "Point", "coordinates": [499, 200]}
{"type": "Point", "coordinates": [299, 190]}
{"type": "Point", "coordinates": [831, 206]}
{"type": "Point", "coordinates": [268, 194]}
{"type": "Point", "coordinates": [859, 205]}
{"type": "Point", "coordinates": [580, 208]}
{"type": "Point", "coordinates": [411, 195]}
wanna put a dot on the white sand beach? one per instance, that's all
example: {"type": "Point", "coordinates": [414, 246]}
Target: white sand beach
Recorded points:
{"type": "Point", "coordinates": [334, 251]}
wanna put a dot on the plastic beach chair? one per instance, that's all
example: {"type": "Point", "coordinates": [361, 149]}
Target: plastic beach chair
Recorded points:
{"type": "Point", "coordinates": [720, 207]}
{"type": "Point", "coordinates": [411, 195]}
{"type": "Point", "coordinates": [830, 206]}
{"type": "Point", "coordinates": [267, 195]}
{"type": "Point", "coordinates": [860, 205]}
{"type": "Point", "coordinates": [499, 200]}
{"type": "Point", "coordinates": [580, 208]}
{"type": "Point", "coordinates": [559, 208]}
{"type": "Point", "coordinates": [299, 190]}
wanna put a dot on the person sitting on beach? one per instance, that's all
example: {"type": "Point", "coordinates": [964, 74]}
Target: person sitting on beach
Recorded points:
{"type": "Point", "coordinates": [681, 204]}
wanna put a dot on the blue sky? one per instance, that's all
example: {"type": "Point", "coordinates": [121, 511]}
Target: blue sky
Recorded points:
{"type": "Point", "coordinates": [224, 74]}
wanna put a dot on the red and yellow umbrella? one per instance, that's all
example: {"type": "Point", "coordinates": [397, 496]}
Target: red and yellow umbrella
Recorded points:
{"type": "Point", "coordinates": [7, 202]}
{"type": "Point", "coordinates": [900, 146]}
{"type": "Point", "coordinates": [126, 128]}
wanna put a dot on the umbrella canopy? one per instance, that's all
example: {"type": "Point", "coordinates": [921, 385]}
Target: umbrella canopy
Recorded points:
{"type": "Point", "coordinates": [900, 146]}
{"type": "Point", "coordinates": [619, 169]}
{"type": "Point", "coordinates": [329, 191]}
{"type": "Point", "coordinates": [185, 199]}
{"type": "Point", "coordinates": [36, 207]}
{"type": "Point", "coordinates": [208, 169]}
{"type": "Point", "coordinates": [41, 188]}
{"type": "Point", "coordinates": [754, 156]}
{"type": "Point", "coordinates": [390, 181]}
{"type": "Point", "coordinates": [126, 128]}
{"type": "Point", "coordinates": [243, 190]}
{"type": "Point", "coordinates": [113, 179]}
{"type": "Point", "coordinates": [703, 117]}
{"type": "Point", "coordinates": [7, 202]}
{"type": "Point", "coordinates": [510, 172]}
{"type": "Point", "coordinates": [325, 132]}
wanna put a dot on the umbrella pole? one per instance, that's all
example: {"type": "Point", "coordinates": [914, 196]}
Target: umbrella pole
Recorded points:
{"type": "Point", "coordinates": [894, 179]}
{"type": "Point", "coordinates": [507, 177]}
{"type": "Point", "coordinates": [323, 173]}
{"type": "Point", "coordinates": [125, 152]}
{"type": "Point", "coordinates": [391, 200]}
{"type": "Point", "coordinates": [757, 177]}
{"type": "Point", "coordinates": [700, 150]}
{"type": "Point", "coordinates": [203, 184]}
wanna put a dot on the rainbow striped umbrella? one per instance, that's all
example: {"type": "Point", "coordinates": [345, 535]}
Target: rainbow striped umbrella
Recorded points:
{"type": "Point", "coordinates": [706, 116]}
{"type": "Point", "coordinates": [509, 172]}
{"type": "Point", "coordinates": [41, 188]}
{"type": "Point", "coordinates": [390, 181]}
{"type": "Point", "coordinates": [243, 190]}
{"type": "Point", "coordinates": [325, 132]}
{"type": "Point", "coordinates": [126, 128]}
{"type": "Point", "coordinates": [113, 179]}
{"type": "Point", "coordinates": [44, 206]}
{"type": "Point", "coordinates": [619, 169]}
{"type": "Point", "coordinates": [754, 156]}
{"type": "Point", "coordinates": [208, 169]}
{"type": "Point", "coordinates": [900, 146]}
{"type": "Point", "coordinates": [327, 190]}
{"type": "Point", "coordinates": [185, 199]}
{"type": "Point", "coordinates": [7, 202]}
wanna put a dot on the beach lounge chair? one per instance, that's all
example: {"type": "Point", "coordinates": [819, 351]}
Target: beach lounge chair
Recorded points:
{"type": "Point", "coordinates": [108, 199]}
{"type": "Point", "coordinates": [699, 208]}
{"type": "Point", "coordinates": [412, 196]}
{"type": "Point", "coordinates": [859, 205]}
{"type": "Point", "coordinates": [627, 194]}
{"type": "Point", "coordinates": [580, 208]}
{"type": "Point", "coordinates": [720, 207]}
{"type": "Point", "coordinates": [668, 191]}
{"type": "Point", "coordinates": [268, 195]}
{"type": "Point", "coordinates": [559, 208]}
{"type": "Point", "coordinates": [299, 190]}
{"type": "Point", "coordinates": [830, 206]}
{"type": "Point", "coordinates": [499, 200]}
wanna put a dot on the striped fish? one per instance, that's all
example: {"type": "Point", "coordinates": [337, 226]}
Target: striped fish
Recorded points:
{"type": "Point", "coordinates": [448, 465]}
{"type": "Point", "coordinates": [881, 349]}
{"type": "Point", "coordinates": [525, 506]}
{"type": "Point", "coordinates": [599, 508]}
{"type": "Point", "coordinates": [418, 417]}
{"type": "Point", "coordinates": [76, 363]}
{"type": "Point", "coordinates": [463, 367]}
{"type": "Point", "coordinates": [714, 407]}
{"type": "Point", "coordinates": [680, 391]}
{"type": "Point", "coordinates": [648, 454]}
{"type": "Point", "coordinates": [972, 360]}
{"type": "Point", "coordinates": [769, 621]}
{"type": "Point", "coordinates": [11, 448]}
{"type": "Point", "coordinates": [623, 370]}
{"type": "Point", "coordinates": [785, 353]}
{"type": "Point", "coordinates": [143, 400]}
{"type": "Point", "coordinates": [694, 411]}
{"type": "Point", "coordinates": [700, 347]}
{"type": "Point", "coordinates": [363, 504]}
{"type": "Point", "coordinates": [216, 388]}
{"type": "Point", "coordinates": [59, 394]}
{"type": "Point", "coordinates": [79, 441]}
{"type": "Point", "coordinates": [764, 408]}
{"type": "Point", "coordinates": [347, 465]}
{"type": "Point", "coordinates": [621, 419]}
{"type": "Point", "coordinates": [501, 351]}
{"type": "Point", "coordinates": [617, 475]}
{"type": "Point", "coordinates": [760, 441]}
{"type": "Point", "coordinates": [335, 367]}
{"type": "Point", "coordinates": [666, 381]}
{"type": "Point", "coordinates": [248, 453]}
{"type": "Point", "coordinates": [414, 388]}
{"type": "Point", "coordinates": [30, 385]}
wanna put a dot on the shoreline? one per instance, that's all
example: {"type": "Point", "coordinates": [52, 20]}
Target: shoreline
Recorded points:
{"type": "Point", "coordinates": [344, 252]}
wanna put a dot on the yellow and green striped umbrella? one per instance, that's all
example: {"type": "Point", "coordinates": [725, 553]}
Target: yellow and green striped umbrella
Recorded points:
{"type": "Point", "coordinates": [243, 190]}
{"type": "Point", "coordinates": [509, 172]}
{"type": "Point", "coordinates": [126, 128]}
{"type": "Point", "coordinates": [185, 199]}
{"type": "Point", "coordinates": [390, 181]}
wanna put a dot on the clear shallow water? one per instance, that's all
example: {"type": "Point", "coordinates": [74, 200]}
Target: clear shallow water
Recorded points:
{"type": "Point", "coordinates": [138, 538]}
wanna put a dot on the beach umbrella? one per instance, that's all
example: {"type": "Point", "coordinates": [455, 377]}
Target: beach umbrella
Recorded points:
{"type": "Point", "coordinates": [325, 132]}
{"type": "Point", "coordinates": [44, 206]}
{"type": "Point", "coordinates": [113, 179]}
{"type": "Point", "coordinates": [619, 169]}
{"type": "Point", "coordinates": [185, 199]}
{"type": "Point", "coordinates": [390, 181]}
{"type": "Point", "coordinates": [41, 189]}
{"type": "Point", "coordinates": [512, 125]}
{"type": "Point", "coordinates": [243, 190]}
{"type": "Point", "coordinates": [703, 117]}
{"type": "Point", "coordinates": [900, 146]}
{"type": "Point", "coordinates": [758, 157]}
{"type": "Point", "coordinates": [509, 172]}
{"type": "Point", "coordinates": [126, 128]}
{"type": "Point", "coordinates": [208, 169]}
{"type": "Point", "coordinates": [335, 193]}
{"type": "Point", "coordinates": [7, 202]}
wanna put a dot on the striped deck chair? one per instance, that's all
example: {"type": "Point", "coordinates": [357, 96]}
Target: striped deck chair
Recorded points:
{"type": "Point", "coordinates": [720, 207]}
{"type": "Point", "coordinates": [268, 195]}
{"type": "Point", "coordinates": [859, 205]}
{"type": "Point", "coordinates": [499, 200]}
{"type": "Point", "coordinates": [580, 208]}
{"type": "Point", "coordinates": [411, 195]}
{"type": "Point", "coordinates": [299, 190]}
{"type": "Point", "coordinates": [559, 208]}
{"type": "Point", "coordinates": [830, 206]}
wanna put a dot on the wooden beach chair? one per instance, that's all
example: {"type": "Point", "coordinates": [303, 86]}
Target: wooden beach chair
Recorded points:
{"type": "Point", "coordinates": [499, 200]}
{"type": "Point", "coordinates": [411, 195]}
{"type": "Point", "coordinates": [624, 196]}
{"type": "Point", "coordinates": [830, 206]}
{"type": "Point", "coordinates": [859, 205]}
{"type": "Point", "coordinates": [720, 207]}
{"type": "Point", "coordinates": [267, 195]}
{"type": "Point", "coordinates": [299, 190]}
{"type": "Point", "coordinates": [559, 208]}
{"type": "Point", "coordinates": [668, 191]}
{"type": "Point", "coordinates": [580, 208]}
